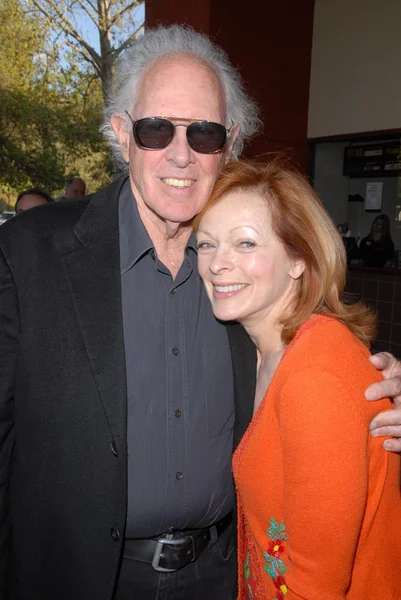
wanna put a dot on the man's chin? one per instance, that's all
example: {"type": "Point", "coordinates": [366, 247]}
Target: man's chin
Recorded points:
{"type": "Point", "coordinates": [181, 215]}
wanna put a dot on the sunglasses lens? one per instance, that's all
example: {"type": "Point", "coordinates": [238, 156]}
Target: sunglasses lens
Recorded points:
{"type": "Point", "coordinates": [152, 133]}
{"type": "Point", "coordinates": [206, 137]}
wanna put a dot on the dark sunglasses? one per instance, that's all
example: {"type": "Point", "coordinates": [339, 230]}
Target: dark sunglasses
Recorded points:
{"type": "Point", "coordinates": [156, 133]}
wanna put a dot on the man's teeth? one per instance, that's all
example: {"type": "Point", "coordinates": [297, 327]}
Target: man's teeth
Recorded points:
{"type": "Point", "coordinates": [229, 288]}
{"type": "Point", "coordinates": [178, 182]}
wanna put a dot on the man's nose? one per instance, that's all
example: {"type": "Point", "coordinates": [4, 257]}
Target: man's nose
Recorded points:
{"type": "Point", "coordinates": [178, 151]}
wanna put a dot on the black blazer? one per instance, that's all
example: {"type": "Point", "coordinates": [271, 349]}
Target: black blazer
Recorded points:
{"type": "Point", "coordinates": [63, 400]}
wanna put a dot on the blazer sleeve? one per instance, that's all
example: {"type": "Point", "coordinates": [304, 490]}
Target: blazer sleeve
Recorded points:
{"type": "Point", "coordinates": [9, 332]}
{"type": "Point", "coordinates": [325, 482]}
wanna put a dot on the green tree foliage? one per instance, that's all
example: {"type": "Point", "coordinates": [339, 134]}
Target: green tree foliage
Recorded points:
{"type": "Point", "coordinates": [50, 110]}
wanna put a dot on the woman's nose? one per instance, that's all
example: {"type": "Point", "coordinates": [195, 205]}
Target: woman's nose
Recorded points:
{"type": "Point", "coordinates": [221, 262]}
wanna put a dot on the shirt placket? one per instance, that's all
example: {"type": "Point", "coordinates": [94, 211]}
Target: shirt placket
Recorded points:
{"type": "Point", "coordinates": [177, 398]}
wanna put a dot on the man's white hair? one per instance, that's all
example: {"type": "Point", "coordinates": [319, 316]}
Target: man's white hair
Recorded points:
{"type": "Point", "coordinates": [178, 39]}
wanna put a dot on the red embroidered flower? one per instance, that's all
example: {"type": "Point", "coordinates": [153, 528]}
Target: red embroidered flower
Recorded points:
{"type": "Point", "coordinates": [275, 548]}
{"type": "Point", "coordinates": [279, 581]}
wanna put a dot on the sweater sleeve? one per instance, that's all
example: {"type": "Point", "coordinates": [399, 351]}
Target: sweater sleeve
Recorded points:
{"type": "Point", "coordinates": [325, 480]}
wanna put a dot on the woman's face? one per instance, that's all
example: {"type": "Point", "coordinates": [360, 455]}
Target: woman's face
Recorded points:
{"type": "Point", "coordinates": [244, 266]}
{"type": "Point", "coordinates": [379, 226]}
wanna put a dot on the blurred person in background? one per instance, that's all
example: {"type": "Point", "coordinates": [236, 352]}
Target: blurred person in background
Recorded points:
{"type": "Point", "coordinates": [75, 188]}
{"type": "Point", "coordinates": [30, 198]}
{"type": "Point", "coordinates": [377, 248]}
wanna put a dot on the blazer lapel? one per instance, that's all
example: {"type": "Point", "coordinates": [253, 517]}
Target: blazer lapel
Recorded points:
{"type": "Point", "coordinates": [91, 258]}
{"type": "Point", "coordinates": [243, 354]}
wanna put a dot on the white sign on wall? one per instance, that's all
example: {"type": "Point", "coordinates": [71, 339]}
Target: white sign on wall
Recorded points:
{"type": "Point", "coordinates": [374, 194]}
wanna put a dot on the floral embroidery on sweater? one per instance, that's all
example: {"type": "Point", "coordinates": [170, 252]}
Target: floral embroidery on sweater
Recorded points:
{"type": "Point", "coordinates": [275, 566]}
{"type": "Point", "coordinates": [247, 573]}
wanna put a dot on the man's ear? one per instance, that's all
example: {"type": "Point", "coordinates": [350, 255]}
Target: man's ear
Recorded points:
{"type": "Point", "coordinates": [297, 268]}
{"type": "Point", "coordinates": [231, 141]}
{"type": "Point", "coordinates": [118, 124]}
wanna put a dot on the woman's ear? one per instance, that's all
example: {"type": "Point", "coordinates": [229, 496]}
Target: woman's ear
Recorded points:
{"type": "Point", "coordinates": [297, 268]}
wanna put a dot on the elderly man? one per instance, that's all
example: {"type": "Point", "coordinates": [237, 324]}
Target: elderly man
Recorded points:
{"type": "Point", "coordinates": [120, 395]}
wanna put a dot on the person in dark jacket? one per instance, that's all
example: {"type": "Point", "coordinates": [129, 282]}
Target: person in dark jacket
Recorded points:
{"type": "Point", "coordinates": [377, 248]}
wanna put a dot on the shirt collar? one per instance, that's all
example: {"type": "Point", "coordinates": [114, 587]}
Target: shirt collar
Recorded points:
{"type": "Point", "coordinates": [135, 241]}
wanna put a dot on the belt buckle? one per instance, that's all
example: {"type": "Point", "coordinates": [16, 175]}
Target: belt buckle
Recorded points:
{"type": "Point", "coordinates": [159, 551]}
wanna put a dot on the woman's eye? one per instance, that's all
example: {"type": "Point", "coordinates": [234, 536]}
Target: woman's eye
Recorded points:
{"type": "Point", "coordinates": [247, 244]}
{"type": "Point", "coordinates": [204, 245]}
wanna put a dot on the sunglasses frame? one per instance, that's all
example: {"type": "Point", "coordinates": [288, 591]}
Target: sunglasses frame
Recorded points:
{"type": "Point", "coordinates": [170, 120]}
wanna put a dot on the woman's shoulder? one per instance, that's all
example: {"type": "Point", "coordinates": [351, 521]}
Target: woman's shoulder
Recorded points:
{"type": "Point", "coordinates": [320, 327]}
{"type": "Point", "coordinates": [325, 343]}
{"type": "Point", "coordinates": [326, 355]}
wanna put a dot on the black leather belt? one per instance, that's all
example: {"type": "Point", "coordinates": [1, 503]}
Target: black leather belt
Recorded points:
{"type": "Point", "coordinates": [173, 551]}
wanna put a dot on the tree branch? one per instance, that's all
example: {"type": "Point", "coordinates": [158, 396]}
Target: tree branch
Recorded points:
{"type": "Point", "coordinates": [128, 41]}
{"type": "Point", "coordinates": [118, 15]}
{"type": "Point", "coordinates": [66, 27]}
{"type": "Point", "coordinates": [91, 15]}
{"type": "Point", "coordinates": [85, 57]}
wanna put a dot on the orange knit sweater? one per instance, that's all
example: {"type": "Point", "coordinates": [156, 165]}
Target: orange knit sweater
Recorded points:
{"type": "Point", "coordinates": [318, 498]}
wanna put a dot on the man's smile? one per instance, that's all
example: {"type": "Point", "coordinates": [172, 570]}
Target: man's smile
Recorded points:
{"type": "Point", "coordinates": [180, 183]}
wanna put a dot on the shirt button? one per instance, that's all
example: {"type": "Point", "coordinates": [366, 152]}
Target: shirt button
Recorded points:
{"type": "Point", "coordinates": [177, 413]}
{"type": "Point", "coordinates": [114, 448]}
{"type": "Point", "coordinates": [173, 292]}
{"type": "Point", "coordinates": [178, 475]}
{"type": "Point", "coordinates": [153, 254]}
{"type": "Point", "coordinates": [115, 534]}
{"type": "Point", "coordinates": [175, 351]}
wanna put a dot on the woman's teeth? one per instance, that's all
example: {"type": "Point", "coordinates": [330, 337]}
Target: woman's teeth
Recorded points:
{"type": "Point", "coordinates": [229, 288]}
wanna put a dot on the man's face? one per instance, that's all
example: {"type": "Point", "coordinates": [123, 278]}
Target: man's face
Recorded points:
{"type": "Point", "coordinates": [77, 189]}
{"type": "Point", "coordinates": [175, 183]}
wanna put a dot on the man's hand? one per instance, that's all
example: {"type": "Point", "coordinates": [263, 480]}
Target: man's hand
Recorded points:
{"type": "Point", "coordinates": [388, 422]}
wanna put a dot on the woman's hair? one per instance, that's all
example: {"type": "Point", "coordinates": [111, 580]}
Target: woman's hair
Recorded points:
{"type": "Point", "coordinates": [386, 226]}
{"type": "Point", "coordinates": [169, 41]}
{"type": "Point", "coordinates": [301, 223]}
{"type": "Point", "coordinates": [34, 192]}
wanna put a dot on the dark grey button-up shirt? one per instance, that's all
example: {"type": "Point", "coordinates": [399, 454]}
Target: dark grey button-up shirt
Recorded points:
{"type": "Point", "coordinates": [180, 389]}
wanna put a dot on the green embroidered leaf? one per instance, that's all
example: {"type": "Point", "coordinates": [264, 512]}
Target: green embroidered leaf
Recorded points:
{"type": "Point", "coordinates": [270, 571]}
{"type": "Point", "coordinates": [247, 570]}
{"type": "Point", "coordinates": [276, 531]}
{"type": "Point", "coordinates": [281, 566]}
{"type": "Point", "coordinates": [268, 558]}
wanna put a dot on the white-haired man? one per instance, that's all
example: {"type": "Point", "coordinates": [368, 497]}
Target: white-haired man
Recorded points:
{"type": "Point", "coordinates": [121, 396]}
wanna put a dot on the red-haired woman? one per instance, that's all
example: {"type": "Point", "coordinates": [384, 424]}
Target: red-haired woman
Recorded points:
{"type": "Point", "coordinates": [319, 499]}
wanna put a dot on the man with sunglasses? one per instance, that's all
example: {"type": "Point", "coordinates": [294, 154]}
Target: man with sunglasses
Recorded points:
{"type": "Point", "coordinates": [121, 396]}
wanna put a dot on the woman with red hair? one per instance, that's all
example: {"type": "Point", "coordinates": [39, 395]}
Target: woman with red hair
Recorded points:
{"type": "Point", "coordinates": [319, 507]}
